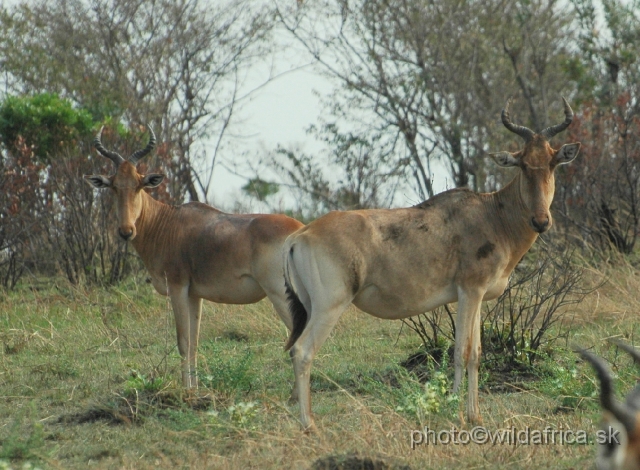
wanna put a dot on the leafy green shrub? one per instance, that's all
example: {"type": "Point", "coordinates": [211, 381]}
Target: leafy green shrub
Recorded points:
{"type": "Point", "coordinates": [45, 122]}
{"type": "Point", "coordinates": [432, 397]}
{"type": "Point", "coordinates": [138, 382]}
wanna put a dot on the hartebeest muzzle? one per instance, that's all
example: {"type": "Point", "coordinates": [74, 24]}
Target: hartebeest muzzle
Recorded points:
{"type": "Point", "coordinates": [126, 233]}
{"type": "Point", "coordinates": [540, 223]}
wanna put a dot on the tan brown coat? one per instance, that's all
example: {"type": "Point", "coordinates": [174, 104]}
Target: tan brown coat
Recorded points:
{"type": "Point", "coordinates": [195, 252]}
{"type": "Point", "coordinates": [457, 246]}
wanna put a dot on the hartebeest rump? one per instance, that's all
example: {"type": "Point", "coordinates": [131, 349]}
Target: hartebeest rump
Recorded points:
{"type": "Point", "coordinates": [195, 252]}
{"type": "Point", "coordinates": [619, 435]}
{"type": "Point", "coordinates": [396, 263]}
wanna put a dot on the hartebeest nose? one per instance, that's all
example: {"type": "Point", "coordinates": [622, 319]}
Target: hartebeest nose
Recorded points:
{"type": "Point", "coordinates": [125, 233]}
{"type": "Point", "coordinates": [540, 224]}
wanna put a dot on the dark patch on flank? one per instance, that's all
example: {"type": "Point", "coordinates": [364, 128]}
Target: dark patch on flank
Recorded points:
{"type": "Point", "coordinates": [392, 232]}
{"type": "Point", "coordinates": [423, 227]}
{"type": "Point", "coordinates": [500, 205]}
{"type": "Point", "coordinates": [485, 250]}
{"type": "Point", "coordinates": [452, 213]}
{"type": "Point", "coordinates": [455, 241]}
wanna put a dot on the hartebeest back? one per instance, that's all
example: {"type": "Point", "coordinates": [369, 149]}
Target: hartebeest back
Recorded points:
{"type": "Point", "coordinates": [457, 246]}
{"type": "Point", "coordinates": [194, 251]}
{"type": "Point", "coordinates": [619, 435]}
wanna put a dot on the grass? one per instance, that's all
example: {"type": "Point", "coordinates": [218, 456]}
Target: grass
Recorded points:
{"type": "Point", "coordinates": [89, 377]}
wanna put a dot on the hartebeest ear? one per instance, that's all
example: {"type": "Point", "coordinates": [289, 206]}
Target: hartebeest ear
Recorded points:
{"type": "Point", "coordinates": [152, 180]}
{"type": "Point", "coordinates": [566, 153]}
{"type": "Point", "coordinates": [505, 159]}
{"type": "Point", "coordinates": [98, 181]}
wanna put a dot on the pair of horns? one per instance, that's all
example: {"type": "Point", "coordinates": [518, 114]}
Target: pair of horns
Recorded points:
{"type": "Point", "coordinates": [625, 412]}
{"type": "Point", "coordinates": [116, 157]}
{"type": "Point", "coordinates": [527, 134]}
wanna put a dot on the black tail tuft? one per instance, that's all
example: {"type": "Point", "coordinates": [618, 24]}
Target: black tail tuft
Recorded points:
{"type": "Point", "coordinates": [298, 315]}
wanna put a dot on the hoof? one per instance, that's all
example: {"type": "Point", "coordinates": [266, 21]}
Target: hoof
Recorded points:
{"type": "Point", "coordinates": [310, 430]}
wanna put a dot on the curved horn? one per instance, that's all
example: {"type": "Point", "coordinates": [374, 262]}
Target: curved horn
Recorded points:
{"type": "Point", "coordinates": [524, 132]}
{"type": "Point", "coordinates": [633, 398]}
{"type": "Point", "coordinates": [622, 412]}
{"type": "Point", "coordinates": [553, 130]}
{"type": "Point", "coordinates": [633, 352]}
{"type": "Point", "coordinates": [137, 155]}
{"type": "Point", "coordinates": [113, 156]}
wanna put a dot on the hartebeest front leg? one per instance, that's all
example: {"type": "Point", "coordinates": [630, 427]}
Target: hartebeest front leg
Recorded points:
{"type": "Point", "coordinates": [277, 295]}
{"type": "Point", "coordinates": [187, 312]}
{"type": "Point", "coordinates": [468, 348]}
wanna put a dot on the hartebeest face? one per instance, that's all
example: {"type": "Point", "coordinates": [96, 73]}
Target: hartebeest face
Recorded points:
{"type": "Point", "coordinates": [127, 184]}
{"type": "Point", "coordinates": [537, 163]}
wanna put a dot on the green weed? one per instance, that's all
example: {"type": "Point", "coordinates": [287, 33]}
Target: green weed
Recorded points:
{"type": "Point", "coordinates": [26, 437]}
{"type": "Point", "coordinates": [138, 382]}
{"type": "Point", "coordinates": [226, 374]}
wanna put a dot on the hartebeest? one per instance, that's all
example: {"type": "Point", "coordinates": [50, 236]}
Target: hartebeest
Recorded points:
{"type": "Point", "coordinates": [395, 263]}
{"type": "Point", "coordinates": [195, 252]}
{"type": "Point", "coordinates": [619, 435]}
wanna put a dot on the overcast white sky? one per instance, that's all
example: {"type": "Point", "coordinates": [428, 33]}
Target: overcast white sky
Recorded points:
{"type": "Point", "coordinates": [277, 114]}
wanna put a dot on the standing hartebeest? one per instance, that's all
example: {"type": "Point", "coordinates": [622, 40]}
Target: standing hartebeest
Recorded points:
{"type": "Point", "coordinates": [396, 263]}
{"type": "Point", "coordinates": [195, 252]}
{"type": "Point", "coordinates": [619, 435]}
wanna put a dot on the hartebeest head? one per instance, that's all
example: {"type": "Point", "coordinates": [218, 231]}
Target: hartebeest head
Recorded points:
{"type": "Point", "coordinates": [619, 435]}
{"type": "Point", "coordinates": [127, 183]}
{"type": "Point", "coordinates": [537, 162]}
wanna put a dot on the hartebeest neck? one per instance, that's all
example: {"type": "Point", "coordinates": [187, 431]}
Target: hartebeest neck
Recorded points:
{"type": "Point", "coordinates": [512, 217]}
{"type": "Point", "coordinates": [152, 226]}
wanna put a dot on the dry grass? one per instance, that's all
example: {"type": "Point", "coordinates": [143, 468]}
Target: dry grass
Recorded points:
{"type": "Point", "coordinates": [69, 399]}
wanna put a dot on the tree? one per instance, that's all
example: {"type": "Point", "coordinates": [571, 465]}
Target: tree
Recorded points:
{"type": "Point", "coordinates": [353, 172]}
{"type": "Point", "coordinates": [44, 122]}
{"type": "Point", "coordinates": [435, 75]}
{"type": "Point", "coordinates": [599, 196]}
{"type": "Point", "coordinates": [176, 65]}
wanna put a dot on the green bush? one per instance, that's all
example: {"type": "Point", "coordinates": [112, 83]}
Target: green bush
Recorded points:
{"type": "Point", "coordinates": [44, 122]}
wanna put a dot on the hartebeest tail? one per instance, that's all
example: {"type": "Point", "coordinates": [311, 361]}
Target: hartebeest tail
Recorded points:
{"type": "Point", "coordinates": [620, 428]}
{"type": "Point", "coordinates": [299, 314]}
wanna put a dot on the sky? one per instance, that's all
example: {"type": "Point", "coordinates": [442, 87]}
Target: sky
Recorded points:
{"type": "Point", "coordinates": [277, 114]}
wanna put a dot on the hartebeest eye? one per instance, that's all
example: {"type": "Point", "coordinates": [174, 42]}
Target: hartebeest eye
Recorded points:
{"type": "Point", "coordinates": [98, 181]}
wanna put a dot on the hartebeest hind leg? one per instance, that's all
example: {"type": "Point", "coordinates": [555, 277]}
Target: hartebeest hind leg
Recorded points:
{"type": "Point", "coordinates": [468, 348]}
{"type": "Point", "coordinates": [318, 328]}
{"type": "Point", "coordinates": [187, 312]}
